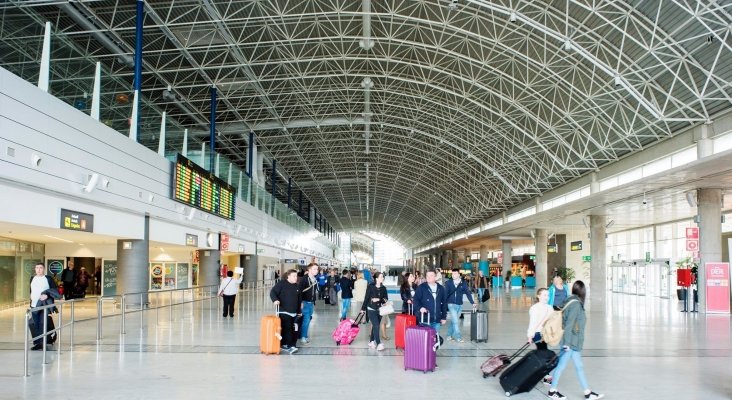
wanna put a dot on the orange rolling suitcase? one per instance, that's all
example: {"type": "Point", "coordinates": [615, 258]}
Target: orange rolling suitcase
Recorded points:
{"type": "Point", "coordinates": [270, 334]}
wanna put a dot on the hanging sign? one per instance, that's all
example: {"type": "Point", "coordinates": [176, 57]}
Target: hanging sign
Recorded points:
{"type": "Point", "coordinates": [77, 221]}
{"type": "Point", "coordinates": [575, 246]}
{"type": "Point", "coordinates": [692, 233]}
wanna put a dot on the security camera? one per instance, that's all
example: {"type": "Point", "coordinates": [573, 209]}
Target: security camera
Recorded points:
{"type": "Point", "coordinates": [645, 202]}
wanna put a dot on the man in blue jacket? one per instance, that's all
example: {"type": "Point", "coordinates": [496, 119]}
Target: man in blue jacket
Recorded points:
{"type": "Point", "coordinates": [456, 288]}
{"type": "Point", "coordinates": [430, 299]}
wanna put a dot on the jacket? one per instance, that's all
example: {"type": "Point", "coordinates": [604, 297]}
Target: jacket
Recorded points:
{"type": "Point", "coordinates": [288, 295]}
{"type": "Point", "coordinates": [552, 293]}
{"type": "Point", "coordinates": [359, 289]}
{"type": "Point", "coordinates": [482, 282]}
{"type": "Point", "coordinates": [68, 276]}
{"type": "Point", "coordinates": [346, 288]}
{"type": "Point", "coordinates": [51, 293]}
{"type": "Point", "coordinates": [373, 292]}
{"type": "Point", "coordinates": [436, 306]}
{"type": "Point", "coordinates": [406, 294]}
{"type": "Point", "coordinates": [307, 290]}
{"type": "Point", "coordinates": [455, 294]}
{"type": "Point", "coordinates": [573, 323]}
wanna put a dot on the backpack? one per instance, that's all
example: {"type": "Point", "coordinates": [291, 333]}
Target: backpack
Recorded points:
{"type": "Point", "coordinates": [553, 331]}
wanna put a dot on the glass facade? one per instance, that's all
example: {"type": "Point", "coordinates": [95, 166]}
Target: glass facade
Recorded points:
{"type": "Point", "coordinates": [17, 259]}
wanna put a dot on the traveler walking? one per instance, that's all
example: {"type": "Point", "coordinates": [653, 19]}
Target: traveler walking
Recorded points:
{"type": "Point", "coordinates": [407, 291]}
{"type": "Point", "coordinates": [308, 287]}
{"type": "Point", "coordinates": [228, 290]}
{"type": "Point", "coordinates": [359, 291]}
{"type": "Point", "coordinates": [573, 322]}
{"type": "Point", "coordinates": [538, 314]}
{"type": "Point", "coordinates": [346, 285]}
{"type": "Point", "coordinates": [68, 278]}
{"type": "Point", "coordinates": [481, 284]}
{"type": "Point", "coordinates": [376, 297]}
{"type": "Point", "coordinates": [286, 295]}
{"type": "Point", "coordinates": [456, 288]}
{"type": "Point", "coordinates": [557, 293]}
{"type": "Point", "coordinates": [40, 284]}
{"type": "Point", "coordinates": [430, 298]}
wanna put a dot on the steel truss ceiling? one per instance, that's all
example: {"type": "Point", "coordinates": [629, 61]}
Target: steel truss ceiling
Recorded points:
{"type": "Point", "coordinates": [469, 108]}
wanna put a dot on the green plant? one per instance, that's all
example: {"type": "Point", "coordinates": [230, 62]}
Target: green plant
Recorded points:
{"type": "Point", "coordinates": [567, 274]}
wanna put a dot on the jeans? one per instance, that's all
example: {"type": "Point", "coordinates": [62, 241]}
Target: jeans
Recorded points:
{"type": "Point", "coordinates": [346, 305]}
{"type": "Point", "coordinates": [564, 356]}
{"type": "Point", "coordinates": [375, 320]}
{"type": "Point", "coordinates": [308, 308]}
{"type": "Point", "coordinates": [454, 330]}
{"type": "Point", "coordinates": [480, 294]}
{"type": "Point", "coordinates": [539, 342]}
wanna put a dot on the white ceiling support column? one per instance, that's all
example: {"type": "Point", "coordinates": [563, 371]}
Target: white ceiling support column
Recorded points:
{"type": "Point", "coordinates": [203, 155]}
{"type": "Point", "coordinates": [366, 43]}
{"type": "Point", "coordinates": [96, 92]}
{"type": "Point", "coordinates": [45, 59]}
{"type": "Point", "coordinates": [161, 139]}
{"type": "Point", "coordinates": [184, 150]}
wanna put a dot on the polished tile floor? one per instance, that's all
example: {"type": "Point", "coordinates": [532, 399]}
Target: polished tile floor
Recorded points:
{"type": "Point", "coordinates": [640, 348]}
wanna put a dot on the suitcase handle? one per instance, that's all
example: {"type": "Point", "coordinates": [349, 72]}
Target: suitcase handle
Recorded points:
{"type": "Point", "coordinates": [524, 347]}
{"type": "Point", "coordinates": [421, 316]}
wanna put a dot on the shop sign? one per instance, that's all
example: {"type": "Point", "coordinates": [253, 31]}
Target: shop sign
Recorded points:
{"type": "Point", "coordinates": [191, 240]}
{"type": "Point", "coordinates": [77, 221]}
{"type": "Point", "coordinates": [55, 266]}
{"type": "Point", "coordinates": [223, 241]}
{"type": "Point", "coordinates": [575, 246]}
{"type": "Point", "coordinates": [717, 290]}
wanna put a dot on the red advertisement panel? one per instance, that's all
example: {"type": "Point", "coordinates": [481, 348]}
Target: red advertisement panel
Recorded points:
{"type": "Point", "coordinates": [717, 282]}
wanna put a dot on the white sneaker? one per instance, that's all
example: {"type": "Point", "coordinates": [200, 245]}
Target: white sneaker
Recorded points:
{"type": "Point", "coordinates": [593, 396]}
{"type": "Point", "coordinates": [304, 342]}
{"type": "Point", "coordinates": [372, 344]}
{"type": "Point", "coordinates": [380, 347]}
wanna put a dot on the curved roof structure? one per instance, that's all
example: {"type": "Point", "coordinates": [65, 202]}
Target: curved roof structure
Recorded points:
{"type": "Point", "coordinates": [415, 118]}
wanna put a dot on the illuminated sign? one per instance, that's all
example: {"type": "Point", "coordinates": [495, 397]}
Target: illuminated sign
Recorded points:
{"type": "Point", "coordinates": [77, 221]}
{"type": "Point", "coordinates": [191, 240]}
{"type": "Point", "coordinates": [196, 187]}
{"type": "Point", "coordinates": [575, 246]}
{"type": "Point", "coordinates": [223, 241]}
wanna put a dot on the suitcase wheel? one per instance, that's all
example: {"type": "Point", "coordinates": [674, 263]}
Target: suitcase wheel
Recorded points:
{"type": "Point", "coordinates": [508, 394]}
{"type": "Point", "coordinates": [485, 375]}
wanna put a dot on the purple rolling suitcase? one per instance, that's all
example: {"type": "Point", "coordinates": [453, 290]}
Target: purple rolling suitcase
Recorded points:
{"type": "Point", "coordinates": [420, 348]}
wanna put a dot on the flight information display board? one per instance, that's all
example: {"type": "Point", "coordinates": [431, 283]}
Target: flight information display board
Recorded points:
{"type": "Point", "coordinates": [196, 187]}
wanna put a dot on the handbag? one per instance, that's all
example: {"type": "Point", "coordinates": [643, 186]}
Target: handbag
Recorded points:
{"type": "Point", "coordinates": [386, 309]}
{"type": "Point", "coordinates": [486, 295]}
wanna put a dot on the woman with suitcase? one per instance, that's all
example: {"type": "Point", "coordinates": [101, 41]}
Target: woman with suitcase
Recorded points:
{"type": "Point", "coordinates": [376, 297]}
{"type": "Point", "coordinates": [573, 323]}
{"type": "Point", "coordinates": [538, 314]}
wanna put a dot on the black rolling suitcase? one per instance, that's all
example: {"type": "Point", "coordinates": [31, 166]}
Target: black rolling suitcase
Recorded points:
{"type": "Point", "coordinates": [37, 330]}
{"type": "Point", "coordinates": [524, 374]}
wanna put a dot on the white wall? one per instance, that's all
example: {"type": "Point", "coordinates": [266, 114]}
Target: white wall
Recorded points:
{"type": "Point", "coordinates": [72, 146]}
{"type": "Point", "coordinates": [63, 250]}
{"type": "Point", "coordinates": [574, 258]}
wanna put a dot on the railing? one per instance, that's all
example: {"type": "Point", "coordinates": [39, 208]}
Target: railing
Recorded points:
{"type": "Point", "coordinates": [187, 295]}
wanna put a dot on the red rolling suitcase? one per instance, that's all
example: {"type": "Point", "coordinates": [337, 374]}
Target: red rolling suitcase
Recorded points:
{"type": "Point", "coordinates": [401, 323]}
{"type": "Point", "coordinates": [420, 350]}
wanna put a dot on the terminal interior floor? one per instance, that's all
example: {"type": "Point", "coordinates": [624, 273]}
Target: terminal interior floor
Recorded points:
{"type": "Point", "coordinates": [641, 348]}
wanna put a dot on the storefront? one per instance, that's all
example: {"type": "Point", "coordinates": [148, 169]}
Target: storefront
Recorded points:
{"type": "Point", "coordinates": [17, 259]}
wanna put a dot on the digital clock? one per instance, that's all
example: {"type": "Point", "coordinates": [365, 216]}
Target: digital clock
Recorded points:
{"type": "Point", "coordinates": [196, 187]}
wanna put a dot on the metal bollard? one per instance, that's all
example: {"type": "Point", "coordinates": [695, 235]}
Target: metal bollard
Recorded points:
{"type": "Point", "coordinates": [45, 328]}
{"type": "Point", "coordinates": [25, 347]}
{"type": "Point", "coordinates": [142, 312]}
{"type": "Point", "coordinates": [122, 315]}
{"type": "Point", "coordinates": [71, 336]}
{"type": "Point", "coordinates": [99, 318]}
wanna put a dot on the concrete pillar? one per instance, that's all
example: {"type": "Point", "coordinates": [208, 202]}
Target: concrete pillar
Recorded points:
{"type": "Point", "coordinates": [249, 263]}
{"type": "Point", "coordinates": [133, 266]}
{"type": "Point", "coordinates": [455, 258]}
{"type": "Point", "coordinates": [445, 256]}
{"type": "Point", "coordinates": [506, 248]}
{"type": "Point", "coordinates": [598, 266]}
{"type": "Point", "coordinates": [705, 146]}
{"type": "Point", "coordinates": [432, 261]}
{"type": "Point", "coordinates": [483, 263]}
{"type": "Point", "coordinates": [208, 267]}
{"type": "Point", "coordinates": [594, 183]}
{"type": "Point", "coordinates": [542, 268]}
{"type": "Point", "coordinates": [133, 269]}
{"type": "Point", "coordinates": [710, 235]}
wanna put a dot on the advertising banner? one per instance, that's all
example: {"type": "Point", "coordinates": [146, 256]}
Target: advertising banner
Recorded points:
{"type": "Point", "coordinates": [717, 287]}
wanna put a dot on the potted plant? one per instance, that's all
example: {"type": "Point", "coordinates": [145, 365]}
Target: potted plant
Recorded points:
{"type": "Point", "coordinates": [567, 274]}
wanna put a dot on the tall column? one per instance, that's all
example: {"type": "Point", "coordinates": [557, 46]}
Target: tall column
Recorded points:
{"type": "Point", "coordinates": [212, 131]}
{"type": "Point", "coordinates": [208, 267]}
{"type": "Point", "coordinates": [45, 59]}
{"type": "Point", "coordinates": [483, 263]}
{"type": "Point", "coordinates": [598, 267]}
{"type": "Point", "coordinates": [432, 261]}
{"type": "Point", "coordinates": [710, 236]}
{"type": "Point", "coordinates": [249, 263]}
{"type": "Point", "coordinates": [455, 258]}
{"type": "Point", "coordinates": [445, 257]}
{"type": "Point", "coordinates": [506, 248]}
{"type": "Point", "coordinates": [542, 268]}
{"type": "Point", "coordinates": [133, 257]}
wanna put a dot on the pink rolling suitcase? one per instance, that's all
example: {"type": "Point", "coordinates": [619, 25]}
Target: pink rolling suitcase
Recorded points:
{"type": "Point", "coordinates": [347, 330]}
{"type": "Point", "coordinates": [420, 350]}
